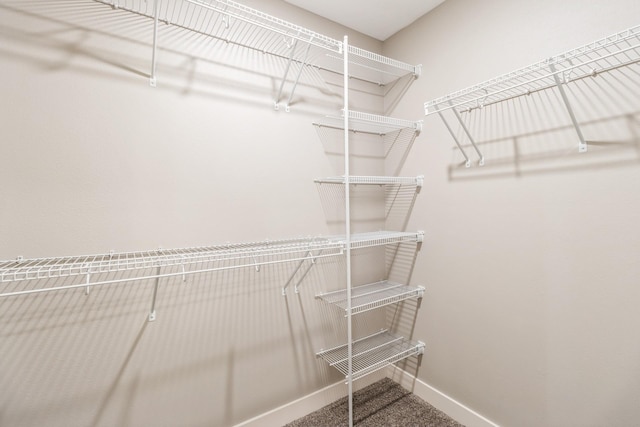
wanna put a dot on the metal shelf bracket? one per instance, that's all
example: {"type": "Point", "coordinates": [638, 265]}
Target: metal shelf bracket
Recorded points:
{"type": "Point", "coordinates": [466, 131]}
{"type": "Point", "coordinates": [276, 103]}
{"type": "Point", "coordinates": [582, 144]}
{"type": "Point", "coordinates": [467, 161]}
{"type": "Point", "coordinates": [295, 84]}
{"type": "Point", "coordinates": [87, 281]}
{"type": "Point", "coordinates": [152, 312]}
{"type": "Point", "coordinates": [152, 78]}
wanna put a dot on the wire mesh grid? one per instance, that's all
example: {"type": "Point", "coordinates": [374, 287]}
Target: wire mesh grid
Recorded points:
{"type": "Point", "coordinates": [372, 296]}
{"type": "Point", "coordinates": [187, 260]}
{"type": "Point", "coordinates": [371, 353]}
{"type": "Point", "coordinates": [235, 23]}
{"type": "Point", "coordinates": [380, 238]}
{"type": "Point", "coordinates": [369, 123]}
{"type": "Point", "coordinates": [373, 180]}
{"type": "Point", "coordinates": [610, 53]}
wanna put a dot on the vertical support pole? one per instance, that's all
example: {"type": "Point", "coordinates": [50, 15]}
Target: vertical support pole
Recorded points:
{"type": "Point", "coordinates": [152, 313]}
{"type": "Point", "coordinates": [295, 85]}
{"type": "Point", "coordinates": [88, 280]}
{"type": "Point", "coordinates": [276, 103]}
{"type": "Point", "coordinates": [582, 144]}
{"type": "Point", "coordinates": [466, 131]}
{"type": "Point", "coordinates": [152, 79]}
{"type": "Point", "coordinates": [347, 179]}
{"type": "Point", "coordinates": [467, 162]}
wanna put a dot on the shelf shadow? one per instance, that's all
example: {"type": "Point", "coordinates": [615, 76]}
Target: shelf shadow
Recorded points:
{"type": "Point", "coordinates": [533, 134]}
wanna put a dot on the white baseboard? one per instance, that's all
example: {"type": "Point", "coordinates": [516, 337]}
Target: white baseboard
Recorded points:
{"type": "Point", "coordinates": [438, 399]}
{"type": "Point", "coordinates": [305, 405]}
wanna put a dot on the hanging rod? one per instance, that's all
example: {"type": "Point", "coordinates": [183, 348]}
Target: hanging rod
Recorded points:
{"type": "Point", "coordinates": [620, 49]}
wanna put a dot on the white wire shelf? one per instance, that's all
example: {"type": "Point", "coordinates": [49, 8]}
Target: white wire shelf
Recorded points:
{"type": "Point", "coordinates": [244, 26]}
{"type": "Point", "coordinates": [612, 52]}
{"type": "Point", "coordinates": [372, 353]}
{"type": "Point", "coordinates": [418, 181]}
{"type": "Point", "coordinates": [381, 238]}
{"type": "Point", "coordinates": [369, 123]}
{"type": "Point", "coordinates": [186, 261]}
{"type": "Point", "coordinates": [372, 296]}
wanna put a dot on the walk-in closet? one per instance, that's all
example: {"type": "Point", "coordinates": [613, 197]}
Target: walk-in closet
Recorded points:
{"type": "Point", "coordinates": [296, 213]}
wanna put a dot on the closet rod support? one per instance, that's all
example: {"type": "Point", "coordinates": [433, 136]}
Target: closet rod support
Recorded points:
{"type": "Point", "coordinates": [152, 312]}
{"type": "Point", "coordinates": [276, 103]}
{"type": "Point", "coordinates": [87, 282]}
{"type": "Point", "coordinates": [467, 161]}
{"type": "Point", "coordinates": [466, 131]}
{"type": "Point", "coordinates": [152, 79]}
{"type": "Point", "coordinates": [295, 84]}
{"type": "Point", "coordinates": [310, 256]}
{"type": "Point", "coordinates": [582, 144]}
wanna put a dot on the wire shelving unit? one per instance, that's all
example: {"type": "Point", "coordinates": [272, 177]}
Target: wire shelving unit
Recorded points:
{"type": "Point", "coordinates": [604, 55]}
{"type": "Point", "coordinates": [360, 357]}
{"type": "Point", "coordinates": [372, 353]}
{"type": "Point", "coordinates": [226, 21]}
{"type": "Point", "coordinates": [372, 296]}
{"type": "Point", "coordinates": [243, 26]}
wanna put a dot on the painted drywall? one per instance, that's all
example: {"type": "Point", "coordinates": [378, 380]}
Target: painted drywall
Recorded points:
{"type": "Point", "coordinates": [94, 159]}
{"type": "Point", "coordinates": [532, 262]}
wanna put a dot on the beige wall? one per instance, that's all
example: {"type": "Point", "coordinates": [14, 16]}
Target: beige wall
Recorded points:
{"type": "Point", "coordinates": [530, 266]}
{"type": "Point", "coordinates": [532, 262]}
{"type": "Point", "coordinates": [93, 159]}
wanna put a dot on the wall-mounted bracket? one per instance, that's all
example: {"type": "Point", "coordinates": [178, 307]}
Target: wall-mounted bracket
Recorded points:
{"type": "Point", "coordinates": [466, 131]}
{"type": "Point", "coordinates": [582, 144]}
{"type": "Point", "coordinates": [152, 78]}
{"type": "Point", "coordinates": [87, 281]}
{"type": "Point", "coordinates": [419, 181]}
{"type": "Point", "coordinates": [256, 264]}
{"type": "Point", "coordinates": [152, 312]}
{"type": "Point", "coordinates": [276, 103]}
{"type": "Point", "coordinates": [295, 84]}
{"type": "Point", "coordinates": [417, 71]}
{"type": "Point", "coordinates": [467, 161]}
{"type": "Point", "coordinates": [418, 127]}
{"type": "Point", "coordinates": [184, 273]}
{"type": "Point", "coordinates": [420, 236]}
{"type": "Point", "coordinates": [308, 256]}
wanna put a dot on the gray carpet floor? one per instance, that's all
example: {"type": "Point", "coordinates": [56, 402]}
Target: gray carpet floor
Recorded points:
{"type": "Point", "coordinates": [383, 403]}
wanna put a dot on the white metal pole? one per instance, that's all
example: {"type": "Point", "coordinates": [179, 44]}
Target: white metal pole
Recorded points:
{"type": "Point", "coordinates": [152, 79]}
{"type": "Point", "coordinates": [345, 47]}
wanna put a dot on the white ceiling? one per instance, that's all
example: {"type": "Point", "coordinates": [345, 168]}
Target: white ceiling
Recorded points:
{"type": "Point", "coordinates": [379, 19]}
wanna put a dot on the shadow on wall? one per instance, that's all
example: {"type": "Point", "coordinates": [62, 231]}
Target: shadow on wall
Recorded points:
{"type": "Point", "coordinates": [94, 38]}
{"type": "Point", "coordinates": [533, 134]}
{"type": "Point", "coordinates": [69, 358]}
